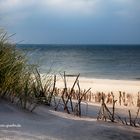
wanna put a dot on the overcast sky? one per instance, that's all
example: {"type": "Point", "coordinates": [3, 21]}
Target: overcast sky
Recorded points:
{"type": "Point", "coordinates": [72, 21]}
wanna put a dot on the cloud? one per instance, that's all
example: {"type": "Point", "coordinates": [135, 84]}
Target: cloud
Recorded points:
{"type": "Point", "coordinates": [61, 7]}
{"type": "Point", "coordinates": [81, 7]}
{"type": "Point", "coordinates": [14, 11]}
{"type": "Point", "coordinates": [58, 19]}
{"type": "Point", "coordinates": [127, 9]}
{"type": "Point", "coordinates": [8, 4]}
{"type": "Point", "coordinates": [23, 9]}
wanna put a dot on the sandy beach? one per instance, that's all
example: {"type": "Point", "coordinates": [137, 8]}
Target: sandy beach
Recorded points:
{"type": "Point", "coordinates": [103, 85]}
{"type": "Point", "coordinates": [46, 124]}
{"type": "Point", "coordinates": [129, 87]}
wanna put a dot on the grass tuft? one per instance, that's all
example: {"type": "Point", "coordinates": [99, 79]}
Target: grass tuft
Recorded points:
{"type": "Point", "coordinates": [19, 82]}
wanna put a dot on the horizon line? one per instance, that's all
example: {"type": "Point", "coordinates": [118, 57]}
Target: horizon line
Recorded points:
{"type": "Point", "coordinates": [71, 44]}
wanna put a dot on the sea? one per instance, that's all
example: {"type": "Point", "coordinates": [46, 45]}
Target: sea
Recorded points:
{"type": "Point", "coordinates": [91, 61]}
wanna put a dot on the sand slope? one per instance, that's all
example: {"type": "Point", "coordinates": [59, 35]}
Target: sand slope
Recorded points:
{"type": "Point", "coordinates": [46, 124]}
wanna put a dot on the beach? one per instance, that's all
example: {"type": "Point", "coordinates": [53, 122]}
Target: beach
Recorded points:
{"type": "Point", "coordinates": [46, 124]}
{"type": "Point", "coordinates": [107, 86]}
{"type": "Point", "coordinates": [103, 85]}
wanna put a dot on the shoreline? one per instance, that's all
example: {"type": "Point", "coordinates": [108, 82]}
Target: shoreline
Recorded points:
{"type": "Point", "coordinates": [94, 77]}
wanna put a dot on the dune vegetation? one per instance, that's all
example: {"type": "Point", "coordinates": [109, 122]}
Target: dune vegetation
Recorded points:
{"type": "Point", "coordinates": [20, 82]}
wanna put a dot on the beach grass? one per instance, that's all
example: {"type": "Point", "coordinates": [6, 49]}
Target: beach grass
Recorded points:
{"type": "Point", "coordinates": [19, 82]}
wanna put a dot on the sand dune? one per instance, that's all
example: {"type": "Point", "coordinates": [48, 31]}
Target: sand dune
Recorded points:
{"type": "Point", "coordinates": [46, 124]}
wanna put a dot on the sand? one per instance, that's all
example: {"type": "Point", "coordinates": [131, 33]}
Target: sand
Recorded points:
{"type": "Point", "coordinates": [103, 85]}
{"type": "Point", "coordinates": [47, 124]}
{"type": "Point", "coordinates": [106, 86]}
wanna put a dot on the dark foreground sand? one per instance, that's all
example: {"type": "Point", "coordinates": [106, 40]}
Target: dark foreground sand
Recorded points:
{"type": "Point", "coordinates": [46, 124]}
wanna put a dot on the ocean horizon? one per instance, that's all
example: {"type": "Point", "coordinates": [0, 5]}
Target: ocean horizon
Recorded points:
{"type": "Point", "coordinates": [120, 62]}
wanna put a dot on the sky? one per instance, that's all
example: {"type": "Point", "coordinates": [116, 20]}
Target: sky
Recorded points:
{"type": "Point", "coordinates": [72, 21]}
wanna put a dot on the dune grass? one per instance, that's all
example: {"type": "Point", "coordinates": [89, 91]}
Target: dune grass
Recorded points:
{"type": "Point", "coordinates": [19, 82]}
